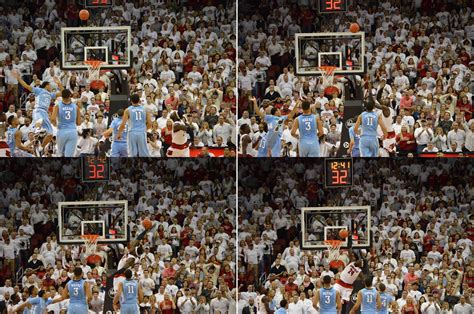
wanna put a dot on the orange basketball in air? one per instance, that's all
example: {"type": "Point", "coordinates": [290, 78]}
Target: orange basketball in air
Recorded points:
{"type": "Point", "coordinates": [343, 234]}
{"type": "Point", "coordinates": [84, 15]}
{"type": "Point", "coordinates": [354, 28]}
{"type": "Point", "coordinates": [147, 224]}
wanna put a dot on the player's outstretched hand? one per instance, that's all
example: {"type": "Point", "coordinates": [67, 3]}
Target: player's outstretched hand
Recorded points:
{"type": "Point", "coordinates": [119, 135]}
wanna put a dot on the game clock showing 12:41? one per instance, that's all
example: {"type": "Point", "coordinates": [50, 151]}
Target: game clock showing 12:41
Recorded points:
{"type": "Point", "coordinates": [95, 169]}
{"type": "Point", "coordinates": [332, 6]}
{"type": "Point", "coordinates": [338, 172]}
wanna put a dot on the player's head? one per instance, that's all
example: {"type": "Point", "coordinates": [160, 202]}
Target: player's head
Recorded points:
{"type": "Point", "coordinates": [43, 294]}
{"type": "Point", "coordinates": [369, 105]}
{"type": "Point", "coordinates": [275, 112]}
{"type": "Point", "coordinates": [66, 94]}
{"type": "Point", "coordinates": [245, 129]}
{"type": "Point", "coordinates": [368, 282]}
{"type": "Point", "coordinates": [12, 121]}
{"type": "Point", "coordinates": [135, 99]}
{"type": "Point", "coordinates": [358, 263]}
{"type": "Point", "coordinates": [326, 280]}
{"type": "Point", "coordinates": [78, 272]}
{"type": "Point", "coordinates": [120, 112]}
{"type": "Point", "coordinates": [128, 274]}
{"type": "Point", "coordinates": [283, 304]}
{"type": "Point", "coordinates": [46, 86]}
{"type": "Point", "coordinates": [381, 287]}
{"type": "Point", "coordinates": [305, 105]}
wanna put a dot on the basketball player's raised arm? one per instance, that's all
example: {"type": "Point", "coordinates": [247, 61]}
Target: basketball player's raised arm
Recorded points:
{"type": "Point", "coordinates": [384, 129]}
{"type": "Point", "coordinates": [117, 296]}
{"type": "Point", "coordinates": [123, 124]}
{"type": "Point", "coordinates": [294, 129]}
{"type": "Point", "coordinates": [357, 124]}
{"type": "Point", "coordinates": [61, 87]}
{"type": "Point", "coordinates": [256, 109]}
{"type": "Point", "coordinates": [294, 110]}
{"type": "Point", "coordinates": [358, 303]}
{"type": "Point", "coordinates": [17, 75]}
{"type": "Point", "coordinates": [316, 300]}
{"type": "Point", "coordinates": [54, 116]}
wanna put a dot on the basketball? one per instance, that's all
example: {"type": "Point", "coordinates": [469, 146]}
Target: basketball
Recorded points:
{"type": "Point", "coordinates": [354, 28]}
{"type": "Point", "coordinates": [147, 224]}
{"type": "Point", "coordinates": [84, 15]}
{"type": "Point", "coordinates": [343, 234]}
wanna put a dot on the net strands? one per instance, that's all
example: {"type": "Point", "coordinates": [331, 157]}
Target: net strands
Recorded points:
{"type": "Point", "coordinates": [333, 248]}
{"type": "Point", "coordinates": [328, 75]}
{"type": "Point", "coordinates": [90, 241]}
{"type": "Point", "coordinates": [93, 67]}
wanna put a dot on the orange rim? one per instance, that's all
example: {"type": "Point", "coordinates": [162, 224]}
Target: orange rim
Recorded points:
{"type": "Point", "coordinates": [90, 237]}
{"type": "Point", "coordinates": [95, 64]}
{"type": "Point", "coordinates": [328, 69]}
{"type": "Point", "coordinates": [333, 243]}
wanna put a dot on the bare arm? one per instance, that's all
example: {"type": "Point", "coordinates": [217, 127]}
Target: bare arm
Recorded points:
{"type": "Point", "coordinates": [88, 292]}
{"type": "Point", "coordinates": [382, 126]}
{"type": "Point", "coordinates": [294, 128]}
{"type": "Point", "coordinates": [338, 301]}
{"type": "Point", "coordinates": [316, 300]}
{"type": "Point", "coordinates": [379, 302]}
{"type": "Point", "coordinates": [64, 296]}
{"type": "Point", "coordinates": [319, 124]}
{"type": "Point", "coordinates": [356, 126]}
{"type": "Point", "coordinates": [108, 132]}
{"type": "Point", "coordinates": [140, 294]}
{"type": "Point", "coordinates": [294, 110]}
{"type": "Point", "coordinates": [117, 296]}
{"type": "Point", "coordinates": [122, 125]}
{"type": "Point", "coordinates": [61, 87]}
{"type": "Point", "coordinates": [78, 117]}
{"type": "Point", "coordinates": [17, 75]}
{"type": "Point", "coordinates": [358, 303]}
{"type": "Point", "coordinates": [19, 144]}
{"type": "Point", "coordinates": [256, 109]}
{"type": "Point", "coordinates": [54, 116]}
{"type": "Point", "coordinates": [148, 121]}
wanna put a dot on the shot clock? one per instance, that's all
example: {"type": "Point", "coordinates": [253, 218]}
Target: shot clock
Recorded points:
{"type": "Point", "coordinates": [338, 172]}
{"type": "Point", "coordinates": [332, 6]}
{"type": "Point", "coordinates": [95, 169]}
{"type": "Point", "coordinates": [98, 3]}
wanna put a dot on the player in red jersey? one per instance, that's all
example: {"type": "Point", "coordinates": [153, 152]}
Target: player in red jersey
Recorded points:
{"type": "Point", "coordinates": [347, 278]}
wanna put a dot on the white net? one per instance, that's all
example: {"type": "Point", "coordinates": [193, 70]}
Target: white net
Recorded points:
{"type": "Point", "coordinates": [90, 243]}
{"type": "Point", "coordinates": [333, 248]}
{"type": "Point", "coordinates": [327, 76]}
{"type": "Point", "coordinates": [93, 67]}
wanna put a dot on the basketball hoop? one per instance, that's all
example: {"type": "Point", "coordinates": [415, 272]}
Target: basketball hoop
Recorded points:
{"type": "Point", "coordinates": [90, 241]}
{"type": "Point", "coordinates": [328, 79]}
{"type": "Point", "coordinates": [93, 67]}
{"type": "Point", "coordinates": [333, 247]}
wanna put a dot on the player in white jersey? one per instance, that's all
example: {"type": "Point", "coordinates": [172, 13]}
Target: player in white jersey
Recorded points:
{"type": "Point", "coordinates": [179, 138]}
{"type": "Point", "coordinates": [245, 148]}
{"type": "Point", "coordinates": [387, 116]}
{"type": "Point", "coordinates": [347, 278]}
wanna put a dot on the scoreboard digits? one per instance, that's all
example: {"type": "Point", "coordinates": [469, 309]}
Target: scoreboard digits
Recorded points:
{"type": "Point", "coordinates": [98, 3]}
{"type": "Point", "coordinates": [338, 172]}
{"type": "Point", "coordinates": [332, 6]}
{"type": "Point", "coordinates": [95, 169]}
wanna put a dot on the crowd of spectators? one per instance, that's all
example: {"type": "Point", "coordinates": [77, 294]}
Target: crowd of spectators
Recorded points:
{"type": "Point", "coordinates": [183, 60]}
{"type": "Point", "coordinates": [422, 249]}
{"type": "Point", "coordinates": [190, 252]}
{"type": "Point", "coordinates": [419, 64]}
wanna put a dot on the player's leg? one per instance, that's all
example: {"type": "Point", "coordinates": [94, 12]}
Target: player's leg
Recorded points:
{"type": "Point", "coordinates": [142, 146]}
{"type": "Point", "coordinates": [71, 144]}
{"type": "Point", "coordinates": [314, 149]}
{"type": "Point", "coordinates": [132, 146]}
{"type": "Point", "coordinates": [61, 142]}
{"type": "Point", "coordinates": [49, 129]}
{"type": "Point", "coordinates": [364, 147]}
{"type": "Point", "coordinates": [374, 148]}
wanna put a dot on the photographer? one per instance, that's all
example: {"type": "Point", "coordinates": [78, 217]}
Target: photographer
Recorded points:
{"type": "Point", "coordinates": [86, 144]}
